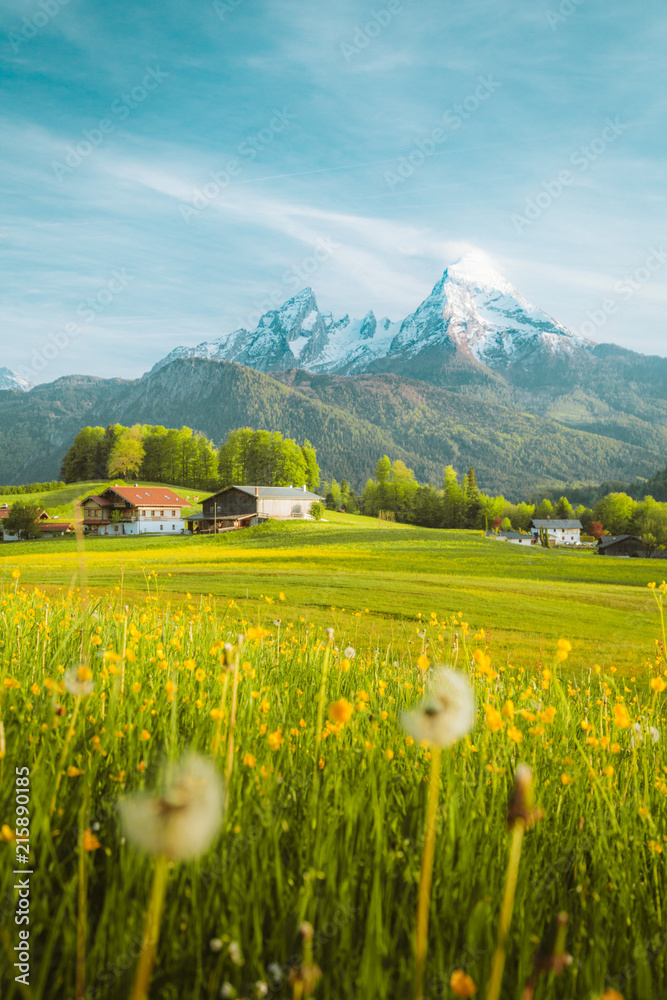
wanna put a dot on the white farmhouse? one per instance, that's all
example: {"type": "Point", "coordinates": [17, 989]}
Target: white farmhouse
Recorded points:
{"type": "Point", "coordinates": [560, 531]}
{"type": "Point", "coordinates": [513, 537]}
{"type": "Point", "coordinates": [134, 510]}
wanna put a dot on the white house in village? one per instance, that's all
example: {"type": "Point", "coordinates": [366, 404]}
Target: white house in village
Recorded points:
{"type": "Point", "coordinates": [513, 537]}
{"type": "Point", "coordinates": [560, 532]}
{"type": "Point", "coordinates": [48, 526]}
{"type": "Point", "coordinates": [134, 510]}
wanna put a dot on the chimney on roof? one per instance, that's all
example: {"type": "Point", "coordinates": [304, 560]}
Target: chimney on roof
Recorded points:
{"type": "Point", "coordinates": [304, 487]}
{"type": "Point", "coordinates": [256, 491]}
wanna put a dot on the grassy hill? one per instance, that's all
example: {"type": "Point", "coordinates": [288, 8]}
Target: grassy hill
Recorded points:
{"type": "Point", "coordinates": [351, 421]}
{"type": "Point", "coordinates": [373, 580]}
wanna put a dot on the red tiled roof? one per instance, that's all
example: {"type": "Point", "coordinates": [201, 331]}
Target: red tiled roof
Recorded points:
{"type": "Point", "coordinates": [42, 514]}
{"type": "Point", "coordinates": [53, 525]}
{"type": "Point", "coordinates": [102, 501]}
{"type": "Point", "coordinates": [144, 496]}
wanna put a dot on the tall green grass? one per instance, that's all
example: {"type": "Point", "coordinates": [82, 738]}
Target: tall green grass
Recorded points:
{"type": "Point", "coordinates": [344, 853]}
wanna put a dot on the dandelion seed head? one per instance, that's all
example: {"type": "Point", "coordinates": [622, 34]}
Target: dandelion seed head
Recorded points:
{"type": "Point", "coordinates": [182, 822]}
{"type": "Point", "coordinates": [639, 732]}
{"type": "Point", "coordinates": [78, 681]}
{"type": "Point", "coordinates": [447, 713]}
{"type": "Point", "coordinates": [235, 953]}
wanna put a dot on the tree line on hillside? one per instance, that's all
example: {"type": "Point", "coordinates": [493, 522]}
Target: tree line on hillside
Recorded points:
{"type": "Point", "coordinates": [11, 491]}
{"type": "Point", "coordinates": [394, 492]}
{"type": "Point", "coordinates": [264, 458]}
{"type": "Point", "coordinates": [188, 458]}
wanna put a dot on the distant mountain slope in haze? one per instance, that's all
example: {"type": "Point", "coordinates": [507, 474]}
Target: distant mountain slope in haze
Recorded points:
{"type": "Point", "coordinates": [351, 420]}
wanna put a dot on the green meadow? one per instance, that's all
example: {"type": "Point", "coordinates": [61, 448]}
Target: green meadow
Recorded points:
{"type": "Point", "coordinates": [293, 866]}
{"type": "Point", "coordinates": [376, 579]}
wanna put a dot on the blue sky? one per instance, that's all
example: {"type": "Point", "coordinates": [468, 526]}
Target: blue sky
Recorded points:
{"type": "Point", "coordinates": [393, 137]}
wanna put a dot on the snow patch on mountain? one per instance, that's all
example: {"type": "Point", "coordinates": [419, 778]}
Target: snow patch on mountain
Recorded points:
{"type": "Point", "coordinates": [9, 379]}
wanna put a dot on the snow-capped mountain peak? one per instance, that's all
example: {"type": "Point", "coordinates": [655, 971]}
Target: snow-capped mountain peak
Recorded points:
{"type": "Point", "coordinates": [478, 270]}
{"type": "Point", "coordinates": [472, 311]}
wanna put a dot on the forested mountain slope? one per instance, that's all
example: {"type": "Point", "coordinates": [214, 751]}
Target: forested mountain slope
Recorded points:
{"type": "Point", "coordinates": [350, 420]}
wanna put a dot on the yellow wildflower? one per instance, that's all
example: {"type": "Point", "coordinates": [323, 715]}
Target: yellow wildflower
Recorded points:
{"type": "Point", "coordinates": [462, 984]}
{"type": "Point", "coordinates": [494, 719]}
{"type": "Point", "coordinates": [341, 710]}
{"type": "Point", "coordinates": [90, 841]}
{"type": "Point", "coordinates": [621, 716]}
{"type": "Point", "coordinates": [275, 740]}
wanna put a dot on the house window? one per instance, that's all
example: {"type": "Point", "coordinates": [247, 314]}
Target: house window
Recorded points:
{"type": "Point", "coordinates": [173, 527]}
{"type": "Point", "coordinates": [161, 513]}
{"type": "Point", "coordinates": [115, 527]}
{"type": "Point", "coordinates": [152, 513]}
{"type": "Point", "coordinates": [173, 513]}
{"type": "Point", "coordinates": [161, 527]}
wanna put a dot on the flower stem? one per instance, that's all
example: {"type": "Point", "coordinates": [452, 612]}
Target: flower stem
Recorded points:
{"type": "Point", "coordinates": [662, 623]}
{"type": "Point", "coordinates": [142, 976]}
{"type": "Point", "coordinates": [232, 728]}
{"type": "Point", "coordinates": [320, 715]}
{"type": "Point", "coordinates": [428, 854]}
{"type": "Point", "coordinates": [63, 756]}
{"type": "Point", "coordinates": [218, 728]}
{"type": "Point", "coordinates": [495, 982]}
{"type": "Point", "coordinates": [81, 921]}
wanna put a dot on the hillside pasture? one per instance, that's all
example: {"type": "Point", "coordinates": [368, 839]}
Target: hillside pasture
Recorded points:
{"type": "Point", "coordinates": [378, 580]}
